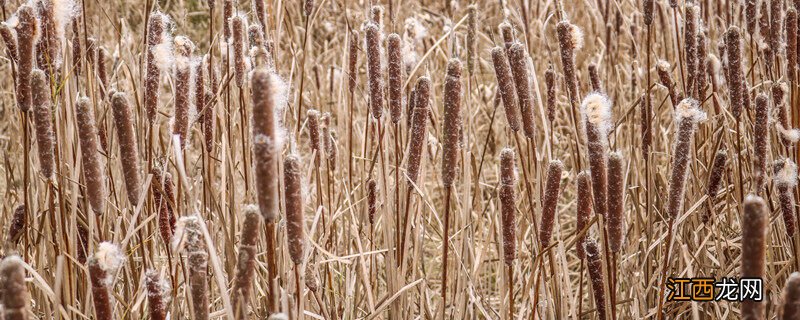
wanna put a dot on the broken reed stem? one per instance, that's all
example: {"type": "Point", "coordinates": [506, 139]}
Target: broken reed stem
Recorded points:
{"type": "Point", "coordinates": [508, 217]}
{"type": "Point", "coordinates": [157, 295]}
{"type": "Point", "coordinates": [93, 173]}
{"type": "Point", "coordinates": [246, 261]}
{"type": "Point", "coordinates": [128, 149]}
{"type": "Point", "coordinates": [713, 184]}
{"type": "Point", "coordinates": [755, 222]}
{"type": "Point", "coordinates": [552, 191]}
{"type": "Point", "coordinates": [505, 85]}
{"type": "Point", "coordinates": [197, 260]}
{"type": "Point", "coordinates": [16, 299]}
{"type": "Point", "coordinates": [42, 111]}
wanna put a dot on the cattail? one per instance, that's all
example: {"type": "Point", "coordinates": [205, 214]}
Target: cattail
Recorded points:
{"type": "Point", "coordinates": [451, 126]}
{"type": "Point", "coordinates": [412, 101]}
{"type": "Point", "coordinates": [395, 68]}
{"type": "Point", "coordinates": [518, 60]}
{"type": "Point", "coordinates": [128, 148]}
{"type": "Point", "coordinates": [647, 116]}
{"type": "Point", "coordinates": [10, 39]}
{"type": "Point", "coordinates": [419, 129]}
{"type": "Point", "coordinates": [246, 261]}
{"type": "Point", "coordinates": [315, 143]}
{"type": "Point", "coordinates": [760, 142]}
{"type": "Point", "coordinates": [103, 266]}
{"type": "Point", "coordinates": [374, 68]}
{"type": "Point", "coordinates": [308, 7]}
{"type": "Point", "coordinates": [507, 31]}
{"type": "Point", "coordinates": [508, 204]}
{"type": "Point", "coordinates": [764, 26]}
{"type": "Point", "coordinates": [616, 200]}
{"type": "Point", "coordinates": [472, 37]}
{"type": "Point", "coordinates": [714, 181]}
{"type": "Point", "coordinates": [776, 8]}
{"type": "Point", "coordinates": [594, 78]}
{"type": "Point", "coordinates": [102, 72]}
{"type": "Point", "coordinates": [570, 38]}
{"type": "Point", "coordinates": [82, 241]}
{"type": "Point", "coordinates": [755, 222]}
{"type": "Point", "coordinates": [209, 114]}
{"type": "Point", "coordinates": [183, 74]}
{"type": "Point", "coordinates": [265, 140]}
{"type": "Point", "coordinates": [227, 14]}
{"type": "Point", "coordinates": [16, 228]}
{"type": "Point", "coordinates": [91, 50]}
{"type": "Point", "coordinates": [164, 199]}
{"type": "Point", "coordinates": [26, 36]}
{"type": "Point", "coordinates": [157, 295]}
{"type": "Point", "coordinates": [295, 234]}
{"type": "Point", "coordinates": [751, 13]}
{"type": "Point", "coordinates": [595, 267]}
{"type": "Point", "coordinates": [197, 261]}
{"type": "Point", "coordinates": [49, 46]}
{"type": "Point", "coordinates": [664, 75]}
{"type": "Point", "coordinates": [733, 42]}
{"type": "Point", "coordinates": [44, 122]}
{"type": "Point", "coordinates": [791, 43]}
{"type": "Point", "coordinates": [550, 83]}
{"type": "Point", "coordinates": [785, 176]}
{"type": "Point", "coordinates": [687, 115]}
{"type": "Point", "coordinates": [790, 299]}
{"type": "Point", "coordinates": [238, 24]}
{"type": "Point", "coordinates": [596, 110]}
{"type": "Point", "coordinates": [584, 206]}
{"type": "Point", "coordinates": [16, 299]}
{"type": "Point", "coordinates": [788, 135]}
{"type": "Point", "coordinates": [552, 191]}
{"type": "Point", "coordinates": [76, 46]}
{"type": "Point", "coordinates": [255, 35]}
{"type": "Point", "coordinates": [156, 30]}
{"type": "Point", "coordinates": [692, 17]}
{"type": "Point", "coordinates": [701, 78]}
{"type": "Point", "coordinates": [505, 85]}
{"type": "Point", "coordinates": [352, 62]}
{"type": "Point", "coordinates": [92, 168]}
{"type": "Point", "coordinates": [647, 9]}
{"type": "Point", "coordinates": [199, 88]}
{"type": "Point", "coordinates": [260, 11]}
{"type": "Point", "coordinates": [372, 200]}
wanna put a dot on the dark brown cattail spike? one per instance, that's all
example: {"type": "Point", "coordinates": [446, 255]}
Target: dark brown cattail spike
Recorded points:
{"type": "Point", "coordinates": [646, 118]}
{"type": "Point", "coordinates": [260, 11]}
{"type": "Point", "coordinates": [16, 228]}
{"type": "Point", "coordinates": [687, 115]}
{"type": "Point", "coordinates": [508, 204]}
{"type": "Point", "coordinates": [49, 46]}
{"type": "Point", "coordinates": [755, 222]}
{"type": "Point", "coordinates": [265, 142]}
{"type": "Point", "coordinates": [209, 115]}
{"type": "Point", "coordinates": [199, 88]}
{"type": "Point", "coordinates": [570, 39]}
{"type": "Point", "coordinates": [764, 26]}
{"type": "Point", "coordinates": [785, 177]}
{"type": "Point", "coordinates": [372, 200]}
{"type": "Point", "coordinates": [157, 295]}
{"type": "Point", "coordinates": [246, 261]}
{"type": "Point", "coordinates": [315, 142]}
{"type": "Point", "coordinates": [295, 232]}
{"type": "Point", "coordinates": [394, 56]}
{"type": "Point", "coordinates": [584, 210]}
{"type": "Point", "coordinates": [103, 266]}
{"type": "Point", "coordinates": [155, 36]}
{"type": "Point", "coordinates": [751, 13]}
{"type": "Point", "coordinates": [352, 62]}
{"type": "Point", "coordinates": [701, 78]}
{"type": "Point", "coordinates": [419, 129]}
{"type": "Point", "coordinates": [594, 78]}
{"type": "Point", "coordinates": [505, 85]}
{"type": "Point", "coordinates": [92, 168]}
{"type": "Point", "coordinates": [197, 263]}
{"type": "Point", "coordinates": [714, 182]}
{"type": "Point", "coordinates": [550, 82]}
{"type": "Point", "coordinates": [308, 7]}
{"type": "Point", "coordinates": [451, 126]}
{"type": "Point", "coordinates": [16, 299]}
{"type": "Point", "coordinates": [596, 110]}
{"type": "Point", "coordinates": [552, 190]}
{"type": "Point", "coordinates": [518, 60]}
{"type": "Point", "coordinates": [791, 43]}
{"type": "Point", "coordinates": [664, 75]}
{"type": "Point", "coordinates": [616, 201]}
{"type": "Point", "coordinates": [692, 13]}
{"type": "Point", "coordinates": [733, 42]}
{"type": "Point", "coordinates": [760, 143]}
{"type": "Point", "coordinates": [507, 32]}
{"type": "Point", "coordinates": [10, 39]}
{"type": "Point", "coordinates": [472, 38]}
{"type": "Point", "coordinates": [374, 69]}
{"type": "Point", "coordinates": [238, 25]}
{"type": "Point", "coordinates": [128, 149]}
{"type": "Point", "coordinates": [183, 74]}
{"type": "Point", "coordinates": [776, 8]}
{"type": "Point", "coordinates": [164, 199]}
{"type": "Point", "coordinates": [783, 125]}
{"type": "Point", "coordinates": [43, 119]}
{"type": "Point", "coordinates": [26, 36]}
{"type": "Point", "coordinates": [595, 267]}
{"type": "Point", "coordinates": [790, 299]}
{"type": "Point", "coordinates": [647, 9]}
{"type": "Point", "coordinates": [102, 70]}
{"type": "Point", "coordinates": [227, 14]}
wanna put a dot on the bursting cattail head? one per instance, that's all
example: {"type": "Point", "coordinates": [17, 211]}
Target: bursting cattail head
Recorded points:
{"type": "Point", "coordinates": [395, 68]}
{"type": "Point", "coordinates": [103, 267]}
{"type": "Point", "coordinates": [550, 83]}
{"type": "Point", "coordinates": [45, 139]}
{"type": "Point", "coordinates": [27, 32]}
{"type": "Point", "coordinates": [596, 111]}
{"type": "Point", "coordinates": [785, 177]}
{"type": "Point", "coordinates": [266, 88]}
{"type": "Point", "coordinates": [451, 126]}
{"type": "Point", "coordinates": [419, 129]}
{"type": "Point", "coordinates": [552, 190]}
{"type": "Point", "coordinates": [714, 181]}
{"type": "Point", "coordinates": [584, 209]}
{"type": "Point", "coordinates": [595, 268]}
{"type": "Point", "coordinates": [374, 68]}
{"type": "Point", "coordinates": [472, 37]}
{"type": "Point", "coordinates": [93, 172]}
{"type": "Point", "coordinates": [128, 148]}
{"type": "Point", "coordinates": [755, 222]}
{"type": "Point", "coordinates": [687, 115]}
{"type": "Point", "coordinates": [616, 200]}
{"type": "Point", "coordinates": [16, 299]}
{"type": "Point", "coordinates": [158, 295]}
{"type": "Point", "coordinates": [16, 228]}
{"type": "Point", "coordinates": [790, 298]}
{"type": "Point", "coordinates": [295, 233]}
{"type": "Point", "coordinates": [505, 85]}
{"type": "Point", "coordinates": [508, 204]}
{"type": "Point", "coordinates": [760, 142]}
{"type": "Point", "coordinates": [238, 24]}
{"type": "Point", "coordinates": [372, 200]}
{"type": "Point", "coordinates": [733, 43]}
{"type": "Point", "coordinates": [352, 62]}
{"type": "Point", "coordinates": [518, 60]}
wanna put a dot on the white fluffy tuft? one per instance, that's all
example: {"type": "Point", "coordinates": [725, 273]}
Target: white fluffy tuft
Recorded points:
{"type": "Point", "coordinates": [596, 109]}
{"type": "Point", "coordinates": [63, 11]}
{"type": "Point", "coordinates": [792, 135]}
{"type": "Point", "coordinates": [689, 108]}
{"type": "Point", "coordinates": [787, 174]}
{"type": "Point", "coordinates": [576, 34]}
{"type": "Point", "coordinates": [109, 259]}
{"type": "Point", "coordinates": [662, 65]}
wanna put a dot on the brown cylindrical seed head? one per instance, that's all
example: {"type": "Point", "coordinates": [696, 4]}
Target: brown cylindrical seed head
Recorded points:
{"type": "Point", "coordinates": [790, 299]}
{"type": "Point", "coordinates": [246, 261]}
{"type": "Point", "coordinates": [505, 85]}
{"type": "Point", "coordinates": [352, 62]}
{"type": "Point", "coordinates": [785, 177]}
{"type": "Point", "coordinates": [646, 113]}
{"type": "Point", "coordinates": [295, 232]}
{"type": "Point", "coordinates": [518, 60]}
{"type": "Point", "coordinates": [238, 37]}
{"type": "Point", "coordinates": [128, 147]}
{"type": "Point", "coordinates": [183, 74]}
{"type": "Point", "coordinates": [647, 9]}
{"type": "Point", "coordinates": [596, 110]}
{"type": "Point", "coordinates": [16, 228]}
{"type": "Point", "coordinates": [374, 69]}
{"type": "Point", "coordinates": [395, 68]}
{"type": "Point", "coordinates": [550, 83]}
{"type": "Point", "coordinates": [552, 190]}
{"type": "Point", "coordinates": [372, 200]}
{"type": "Point", "coordinates": [733, 42]}
{"type": "Point", "coordinates": [584, 208]}
{"type": "Point", "coordinates": [664, 75]}
{"type": "Point", "coordinates": [692, 17]}
{"type": "Point", "coordinates": [10, 40]}
{"type": "Point", "coordinates": [472, 38]}
{"type": "Point", "coordinates": [164, 199]}
{"type": "Point", "coordinates": [687, 115]}
{"type": "Point", "coordinates": [507, 31]}
{"type": "Point", "coordinates": [315, 142]}
{"type": "Point", "coordinates": [595, 267]}
{"type": "Point", "coordinates": [760, 142]}
{"type": "Point", "coordinates": [227, 13]}
{"type": "Point", "coordinates": [157, 289]}
{"type": "Point", "coordinates": [776, 15]}
{"type": "Point", "coordinates": [102, 70]}
{"type": "Point", "coordinates": [714, 182]}
{"type": "Point", "coordinates": [594, 78]}
{"type": "Point", "coordinates": [155, 32]}
{"type": "Point", "coordinates": [26, 36]}
{"type": "Point", "coordinates": [791, 43]}
{"type": "Point", "coordinates": [508, 205]}
{"type": "Point", "coordinates": [419, 129]}
{"type": "Point", "coordinates": [103, 266]}
{"type": "Point", "coordinates": [616, 201]}
{"type": "Point", "coordinates": [755, 222]}
{"type": "Point", "coordinates": [451, 126]}
{"type": "Point", "coordinates": [43, 119]}
{"type": "Point", "coordinates": [197, 258]}
{"type": "Point", "coordinates": [93, 172]}
{"type": "Point", "coordinates": [265, 143]}
{"type": "Point", "coordinates": [751, 13]}
{"type": "Point", "coordinates": [764, 26]}
{"type": "Point", "coordinates": [569, 38]}
{"type": "Point", "coordinates": [15, 299]}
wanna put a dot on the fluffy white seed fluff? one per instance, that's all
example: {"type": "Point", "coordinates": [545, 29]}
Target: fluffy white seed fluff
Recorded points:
{"type": "Point", "coordinates": [662, 65]}
{"type": "Point", "coordinates": [163, 54]}
{"type": "Point", "coordinates": [63, 11]}
{"type": "Point", "coordinates": [109, 259]}
{"type": "Point", "coordinates": [596, 109]}
{"type": "Point", "coordinates": [165, 288]}
{"type": "Point", "coordinates": [577, 36]}
{"type": "Point", "coordinates": [787, 174]}
{"type": "Point", "coordinates": [414, 30]}
{"type": "Point", "coordinates": [790, 134]}
{"type": "Point", "coordinates": [689, 108]}
{"type": "Point", "coordinates": [278, 316]}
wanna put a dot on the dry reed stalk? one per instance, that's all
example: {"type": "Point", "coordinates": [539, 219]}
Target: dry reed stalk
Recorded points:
{"type": "Point", "coordinates": [733, 42]}
{"type": "Point", "coordinates": [791, 44]}
{"type": "Point", "coordinates": [785, 177]}
{"type": "Point", "coordinates": [760, 143]}
{"type": "Point", "coordinates": [596, 110]}
{"type": "Point", "coordinates": [584, 209]}
{"type": "Point", "coordinates": [157, 295]}
{"type": "Point", "coordinates": [16, 299]}
{"type": "Point", "coordinates": [93, 172]}
{"type": "Point", "coordinates": [197, 261]}
{"type": "Point", "coordinates": [246, 261]}
{"type": "Point", "coordinates": [374, 68]}
{"type": "Point", "coordinates": [690, 30]}
{"type": "Point", "coordinates": [616, 203]}
{"type": "Point", "coordinates": [43, 120]}
{"type": "Point", "coordinates": [518, 60]}
{"type": "Point", "coordinates": [394, 56]}
{"type": "Point", "coordinates": [505, 85]}
{"type": "Point", "coordinates": [714, 181]}
{"type": "Point", "coordinates": [550, 83]}
{"type": "Point", "coordinates": [264, 89]}
{"type": "Point", "coordinates": [156, 34]}
{"type": "Point", "coordinates": [664, 75]}
{"type": "Point", "coordinates": [687, 115]}
{"type": "Point", "coordinates": [27, 31]}
{"type": "Point", "coordinates": [570, 39]}
{"type": "Point", "coordinates": [755, 222]}
{"type": "Point", "coordinates": [552, 190]}
{"type": "Point", "coordinates": [128, 148]}
{"type": "Point", "coordinates": [472, 37]}
{"type": "Point", "coordinates": [16, 228]}
{"type": "Point", "coordinates": [103, 266]}
{"type": "Point", "coordinates": [789, 307]}
{"type": "Point", "coordinates": [594, 265]}
{"type": "Point", "coordinates": [419, 129]}
{"type": "Point", "coordinates": [238, 25]}
{"type": "Point", "coordinates": [315, 143]}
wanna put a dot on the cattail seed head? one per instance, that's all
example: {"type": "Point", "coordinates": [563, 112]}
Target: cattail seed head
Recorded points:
{"type": "Point", "coordinates": [93, 172]}
{"type": "Point", "coordinates": [16, 298]}
{"type": "Point", "coordinates": [764, 26]}
{"type": "Point", "coordinates": [10, 39]}
{"type": "Point", "coordinates": [227, 14]}
{"type": "Point", "coordinates": [687, 115]}
{"type": "Point", "coordinates": [102, 70]}
{"type": "Point", "coordinates": [616, 200]}
{"type": "Point", "coordinates": [315, 142]}
{"type": "Point", "coordinates": [584, 208]}
{"type": "Point", "coordinates": [755, 222]}
{"type": "Point", "coordinates": [374, 68]}
{"type": "Point", "coordinates": [783, 125]}
{"type": "Point", "coordinates": [790, 299]}
{"type": "Point", "coordinates": [209, 113]}
{"type": "Point", "coordinates": [164, 199]}
{"type": "Point", "coordinates": [183, 74]}
{"type": "Point", "coordinates": [472, 37]}
{"type": "Point", "coordinates": [550, 83]}
{"type": "Point", "coordinates": [128, 148]}
{"type": "Point", "coordinates": [419, 129]}
{"type": "Point", "coordinates": [157, 33]}
{"type": "Point", "coordinates": [785, 176]}
{"type": "Point", "coordinates": [646, 113]}
{"type": "Point", "coordinates": [103, 267]}
{"type": "Point", "coordinates": [776, 15]}
{"type": "Point", "coordinates": [518, 60]}
{"type": "Point", "coordinates": [43, 118]}
{"type": "Point", "coordinates": [505, 85]}
{"type": "Point", "coordinates": [238, 25]}
{"type": "Point", "coordinates": [714, 181]}
{"type": "Point", "coordinates": [372, 200]}
{"type": "Point", "coordinates": [595, 268]}
{"type": "Point", "coordinates": [16, 228]}
{"type": "Point", "coordinates": [246, 261]}
{"type": "Point", "coordinates": [733, 43]}
{"type": "Point", "coordinates": [508, 204]}
{"type": "Point", "coordinates": [596, 110]}
{"type": "Point", "coordinates": [451, 126]}
{"type": "Point", "coordinates": [569, 40]}
{"type": "Point", "coordinates": [791, 43]}
{"type": "Point", "coordinates": [647, 9]}
{"type": "Point", "coordinates": [692, 17]}
{"type": "Point", "coordinates": [395, 68]}
{"type": "Point", "coordinates": [664, 75]}
{"type": "Point", "coordinates": [701, 78]}
{"type": "Point", "coordinates": [352, 62]}
{"type": "Point", "coordinates": [760, 142]}
{"type": "Point", "coordinates": [158, 292]}
{"type": "Point", "coordinates": [594, 78]}
{"type": "Point", "coordinates": [751, 12]}
{"type": "Point", "coordinates": [265, 140]}
{"type": "Point", "coordinates": [295, 232]}
{"type": "Point", "coordinates": [27, 32]}
{"type": "Point", "coordinates": [197, 263]}
{"type": "Point", "coordinates": [552, 191]}
{"type": "Point", "coordinates": [199, 88]}
{"type": "Point", "coordinates": [507, 32]}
